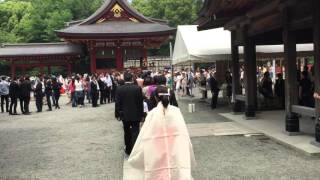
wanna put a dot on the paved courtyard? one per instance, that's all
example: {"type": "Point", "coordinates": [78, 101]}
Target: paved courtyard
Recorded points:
{"type": "Point", "coordinates": [87, 143]}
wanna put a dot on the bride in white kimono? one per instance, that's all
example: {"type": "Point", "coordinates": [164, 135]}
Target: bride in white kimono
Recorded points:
{"type": "Point", "coordinates": [163, 150]}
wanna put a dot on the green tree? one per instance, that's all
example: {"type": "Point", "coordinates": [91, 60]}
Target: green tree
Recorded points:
{"type": "Point", "coordinates": [178, 12]}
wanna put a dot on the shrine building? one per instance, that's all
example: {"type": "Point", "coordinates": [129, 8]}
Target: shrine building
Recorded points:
{"type": "Point", "coordinates": [112, 35]}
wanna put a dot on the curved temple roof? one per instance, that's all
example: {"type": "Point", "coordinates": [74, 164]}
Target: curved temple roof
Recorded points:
{"type": "Point", "coordinates": [39, 49]}
{"type": "Point", "coordinates": [116, 18]}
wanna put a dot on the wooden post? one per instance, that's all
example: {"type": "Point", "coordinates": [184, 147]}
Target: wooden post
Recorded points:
{"type": "Point", "coordinates": [145, 58]}
{"type": "Point", "coordinates": [236, 89]}
{"type": "Point", "coordinates": [119, 61]}
{"type": "Point", "coordinates": [250, 78]}
{"type": "Point", "coordinates": [316, 37]}
{"type": "Point", "coordinates": [93, 58]}
{"type": "Point", "coordinates": [291, 86]}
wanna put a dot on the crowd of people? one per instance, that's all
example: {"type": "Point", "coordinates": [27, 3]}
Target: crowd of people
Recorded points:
{"type": "Point", "coordinates": [276, 90]}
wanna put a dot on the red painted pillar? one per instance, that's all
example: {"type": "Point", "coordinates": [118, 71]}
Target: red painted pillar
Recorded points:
{"type": "Point", "coordinates": [13, 70]}
{"type": "Point", "coordinates": [93, 59]}
{"type": "Point", "coordinates": [119, 61]}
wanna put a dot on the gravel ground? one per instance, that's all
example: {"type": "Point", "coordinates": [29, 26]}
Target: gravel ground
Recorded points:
{"type": "Point", "coordinates": [87, 143]}
{"type": "Point", "coordinates": [66, 144]}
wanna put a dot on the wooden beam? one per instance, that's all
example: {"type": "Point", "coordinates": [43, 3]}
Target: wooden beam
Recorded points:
{"type": "Point", "coordinates": [291, 86]}
{"type": "Point", "coordinates": [236, 89]}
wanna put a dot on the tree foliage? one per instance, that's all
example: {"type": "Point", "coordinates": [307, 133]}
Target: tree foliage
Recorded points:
{"type": "Point", "coordinates": [178, 12]}
{"type": "Point", "coordinates": [35, 20]}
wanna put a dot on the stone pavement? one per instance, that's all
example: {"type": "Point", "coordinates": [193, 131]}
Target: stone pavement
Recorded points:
{"type": "Point", "coordinates": [272, 124]}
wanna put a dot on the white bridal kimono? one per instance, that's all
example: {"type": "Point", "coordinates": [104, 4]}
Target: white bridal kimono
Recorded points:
{"type": "Point", "coordinates": [163, 150]}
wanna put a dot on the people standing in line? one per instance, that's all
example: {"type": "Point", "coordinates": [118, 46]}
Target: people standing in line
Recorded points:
{"type": "Point", "coordinates": [214, 86]}
{"type": "Point", "coordinates": [14, 95]}
{"type": "Point", "coordinates": [108, 83]}
{"type": "Point", "coordinates": [94, 86]}
{"type": "Point", "coordinates": [48, 93]}
{"type": "Point", "coordinates": [163, 149]}
{"type": "Point", "coordinates": [87, 88]}
{"type": "Point", "coordinates": [178, 80]}
{"type": "Point", "coordinates": [38, 94]}
{"type": "Point", "coordinates": [26, 89]}
{"type": "Point", "coordinates": [72, 90]}
{"type": "Point", "coordinates": [4, 93]}
{"type": "Point", "coordinates": [114, 87]}
{"type": "Point", "coordinates": [279, 90]}
{"type": "Point", "coordinates": [21, 80]}
{"type": "Point", "coordinates": [129, 108]}
{"type": "Point", "coordinates": [56, 87]}
{"type": "Point", "coordinates": [266, 89]}
{"type": "Point", "coordinates": [229, 86]}
{"type": "Point", "coordinates": [79, 92]}
{"type": "Point", "coordinates": [203, 84]}
{"type": "Point", "coordinates": [305, 90]}
{"type": "Point", "coordinates": [184, 83]}
{"type": "Point", "coordinates": [102, 86]}
{"type": "Point", "coordinates": [190, 83]}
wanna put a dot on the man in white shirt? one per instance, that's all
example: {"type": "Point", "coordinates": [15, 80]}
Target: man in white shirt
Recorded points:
{"type": "Point", "coordinates": [4, 92]}
{"type": "Point", "coordinates": [108, 82]}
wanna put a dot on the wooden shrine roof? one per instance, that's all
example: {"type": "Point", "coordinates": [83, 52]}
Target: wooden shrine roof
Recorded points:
{"type": "Point", "coordinates": [116, 18]}
{"type": "Point", "coordinates": [259, 17]}
{"type": "Point", "coordinates": [39, 49]}
{"type": "Point", "coordinates": [215, 13]}
{"type": "Point", "coordinates": [115, 29]}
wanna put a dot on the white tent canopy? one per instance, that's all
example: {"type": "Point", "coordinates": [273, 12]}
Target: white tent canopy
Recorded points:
{"type": "Point", "coordinates": [201, 46]}
{"type": "Point", "coordinates": [193, 46]}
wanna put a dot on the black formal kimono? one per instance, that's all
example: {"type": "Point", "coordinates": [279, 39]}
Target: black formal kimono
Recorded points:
{"type": "Point", "coordinates": [215, 91]}
{"type": "Point", "coordinates": [94, 93]}
{"type": "Point", "coordinates": [103, 95]}
{"type": "Point", "coordinates": [39, 96]}
{"type": "Point", "coordinates": [56, 93]}
{"type": "Point", "coordinates": [129, 108]}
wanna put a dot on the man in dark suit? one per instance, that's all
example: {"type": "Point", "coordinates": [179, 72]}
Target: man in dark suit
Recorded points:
{"type": "Point", "coordinates": [94, 91]}
{"type": "Point", "coordinates": [14, 94]}
{"type": "Point", "coordinates": [129, 108]}
{"type": "Point", "coordinates": [102, 89]}
{"type": "Point", "coordinates": [25, 88]}
{"type": "Point", "coordinates": [38, 94]}
{"type": "Point", "coordinates": [48, 93]}
{"type": "Point", "coordinates": [214, 90]}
